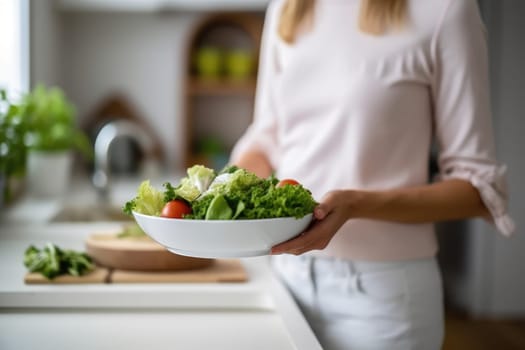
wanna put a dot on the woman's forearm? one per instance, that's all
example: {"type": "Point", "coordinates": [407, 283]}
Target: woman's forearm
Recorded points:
{"type": "Point", "coordinates": [256, 162]}
{"type": "Point", "coordinates": [446, 200]}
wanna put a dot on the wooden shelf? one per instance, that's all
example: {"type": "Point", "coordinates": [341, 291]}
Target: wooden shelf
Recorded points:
{"type": "Point", "coordinates": [198, 87]}
{"type": "Point", "coordinates": [228, 102]}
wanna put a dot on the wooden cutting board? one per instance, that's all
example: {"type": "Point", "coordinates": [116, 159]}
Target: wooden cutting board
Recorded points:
{"type": "Point", "coordinates": [142, 260]}
{"type": "Point", "coordinates": [227, 270]}
{"type": "Point", "coordinates": [138, 254]}
{"type": "Point", "coordinates": [220, 271]}
{"type": "Point", "coordinates": [99, 275]}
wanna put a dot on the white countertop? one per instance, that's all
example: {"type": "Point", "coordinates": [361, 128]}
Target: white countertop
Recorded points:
{"type": "Point", "coordinates": [258, 314]}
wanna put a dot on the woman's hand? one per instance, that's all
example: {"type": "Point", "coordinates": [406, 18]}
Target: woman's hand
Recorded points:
{"type": "Point", "coordinates": [445, 200]}
{"type": "Point", "coordinates": [329, 216]}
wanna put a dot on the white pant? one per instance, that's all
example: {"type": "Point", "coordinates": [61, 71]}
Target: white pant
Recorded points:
{"type": "Point", "coordinates": [367, 305]}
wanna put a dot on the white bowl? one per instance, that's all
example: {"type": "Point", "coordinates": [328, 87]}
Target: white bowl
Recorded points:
{"type": "Point", "coordinates": [221, 238]}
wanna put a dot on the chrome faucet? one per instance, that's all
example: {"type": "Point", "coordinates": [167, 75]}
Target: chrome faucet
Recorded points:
{"type": "Point", "coordinates": [105, 137]}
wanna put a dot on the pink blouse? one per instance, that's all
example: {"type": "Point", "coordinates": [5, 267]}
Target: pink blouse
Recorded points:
{"type": "Point", "coordinates": [343, 109]}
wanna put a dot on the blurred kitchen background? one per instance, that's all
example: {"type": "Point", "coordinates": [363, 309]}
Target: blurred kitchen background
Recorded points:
{"type": "Point", "coordinates": [185, 72]}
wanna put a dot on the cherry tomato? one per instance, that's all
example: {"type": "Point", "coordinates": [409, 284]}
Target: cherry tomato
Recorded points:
{"type": "Point", "coordinates": [175, 209]}
{"type": "Point", "coordinates": [287, 182]}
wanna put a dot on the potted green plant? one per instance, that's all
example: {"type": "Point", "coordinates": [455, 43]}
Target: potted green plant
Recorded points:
{"type": "Point", "coordinates": [51, 136]}
{"type": "Point", "coordinates": [12, 147]}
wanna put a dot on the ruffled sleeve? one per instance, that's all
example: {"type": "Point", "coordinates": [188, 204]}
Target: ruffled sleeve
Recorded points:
{"type": "Point", "coordinates": [463, 124]}
{"type": "Point", "coordinates": [261, 135]}
{"type": "Point", "coordinates": [490, 181]}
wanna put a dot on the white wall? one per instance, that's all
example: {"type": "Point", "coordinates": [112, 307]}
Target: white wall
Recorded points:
{"type": "Point", "coordinates": [138, 55]}
{"type": "Point", "coordinates": [487, 278]}
{"type": "Point", "coordinates": [45, 39]}
{"type": "Point", "coordinates": [508, 53]}
{"type": "Point", "coordinates": [93, 53]}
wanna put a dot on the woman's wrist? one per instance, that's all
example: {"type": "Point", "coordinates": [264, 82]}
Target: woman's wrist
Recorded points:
{"type": "Point", "coordinates": [369, 204]}
{"type": "Point", "coordinates": [360, 204]}
{"type": "Point", "coordinates": [348, 204]}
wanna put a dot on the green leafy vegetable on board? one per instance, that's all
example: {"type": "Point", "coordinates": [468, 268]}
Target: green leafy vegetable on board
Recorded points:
{"type": "Point", "coordinates": [52, 261]}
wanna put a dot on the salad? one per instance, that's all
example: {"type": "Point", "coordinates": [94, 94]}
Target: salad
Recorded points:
{"type": "Point", "coordinates": [231, 194]}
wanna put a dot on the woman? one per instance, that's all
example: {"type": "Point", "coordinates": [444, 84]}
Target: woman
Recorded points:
{"type": "Point", "coordinates": [351, 96]}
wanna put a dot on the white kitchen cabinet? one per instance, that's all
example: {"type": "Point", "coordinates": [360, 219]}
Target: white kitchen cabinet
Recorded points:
{"type": "Point", "coordinates": [161, 5]}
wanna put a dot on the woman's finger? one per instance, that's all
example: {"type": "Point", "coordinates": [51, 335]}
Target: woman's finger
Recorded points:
{"type": "Point", "coordinates": [311, 239]}
{"type": "Point", "coordinates": [327, 205]}
{"type": "Point", "coordinates": [292, 244]}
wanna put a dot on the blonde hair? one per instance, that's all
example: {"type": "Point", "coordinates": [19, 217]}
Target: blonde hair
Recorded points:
{"type": "Point", "coordinates": [375, 16]}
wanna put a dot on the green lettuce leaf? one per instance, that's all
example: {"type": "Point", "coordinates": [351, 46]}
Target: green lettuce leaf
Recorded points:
{"type": "Point", "coordinates": [197, 182]}
{"type": "Point", "coordinates": [219, 209]}
{"type": "Point", "coordinates": [201, 177]}
{"type": "Point", "coordinates": [149, 201]}
{"type": "Point", "coordinates": [254, 198]}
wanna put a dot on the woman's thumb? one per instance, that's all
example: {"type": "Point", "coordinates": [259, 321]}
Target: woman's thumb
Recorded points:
{"type": "Point", "coordinates": [325, 207]}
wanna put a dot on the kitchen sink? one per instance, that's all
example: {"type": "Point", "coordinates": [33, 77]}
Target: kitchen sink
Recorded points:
{"type": "Point", "coordinates": [90, 213]}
